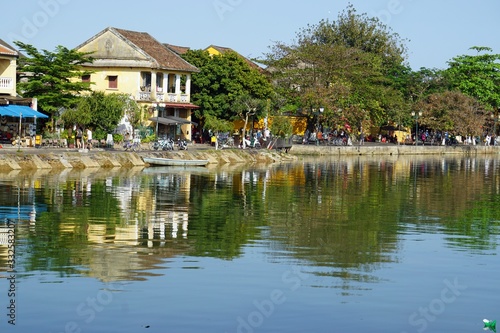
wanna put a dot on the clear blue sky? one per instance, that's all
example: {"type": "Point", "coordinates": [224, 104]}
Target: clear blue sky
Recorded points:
{"type": "Point", "coordinates": [437, 30]}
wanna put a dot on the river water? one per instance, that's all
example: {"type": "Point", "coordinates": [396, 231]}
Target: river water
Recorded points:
{"type": "Point", "coordinates": [332, 245]}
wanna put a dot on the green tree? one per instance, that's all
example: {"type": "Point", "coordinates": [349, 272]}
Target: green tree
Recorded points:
{"type": "Point", "coordinates": [359, 31]}
{"type": "Point", "coordinates": [452, 111]}
{"type": "Point", "coordinates": [217, 125]}
{"type": "Point", "coordinates": [101, 111]}
{"type": "Point", "coordinates": [222, 78]}
{"type": "Point", "coordinates": [342, 66]}
{"type": "Point", "coordinates": [477, 76]}
{"type": "Point", "coordinates": [52, 77]}
{"type": "Point", "coordinates": [245, 106]}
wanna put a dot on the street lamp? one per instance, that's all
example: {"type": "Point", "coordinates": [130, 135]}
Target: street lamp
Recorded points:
{"type": "Point", "coordinates": [320, 111]}
{"type": "Point", "coordinates": [416, 115]}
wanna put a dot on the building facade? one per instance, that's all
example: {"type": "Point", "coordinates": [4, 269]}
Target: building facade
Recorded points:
{"type": "Point", "coordinates": [8, 64]}
{"type": "Point", "coordinates": [157, 78]}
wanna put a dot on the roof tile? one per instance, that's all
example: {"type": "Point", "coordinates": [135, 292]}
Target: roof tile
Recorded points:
{"type": "Point", "coordinates": [164, 57]}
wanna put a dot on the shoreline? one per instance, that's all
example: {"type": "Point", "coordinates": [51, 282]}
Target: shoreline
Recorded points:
{"type": "Point", "coordinates": [13, 158]}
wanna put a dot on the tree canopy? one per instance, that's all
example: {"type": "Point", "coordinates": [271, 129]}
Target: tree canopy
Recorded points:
{"type": "Point", "coordinates": [52, 77]}
{"type": "Point", "coordinates": [452, 111]}
{"type": "Point", "coordinates": [221, 80]}
{"type": "Point", "coordinates": [342, 66]}
{"type": "Point", "coordinates": [101, 111]}
{"type": "Point", "coordinates": [477, 76]}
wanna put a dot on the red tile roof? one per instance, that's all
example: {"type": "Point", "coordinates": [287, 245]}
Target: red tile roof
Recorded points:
{"type": "Point", "coordinates": [164, 57]}
{"type": "Point", "coordinates": [6, 49]}
{"type": "Point", "coordinates": [178, 49]}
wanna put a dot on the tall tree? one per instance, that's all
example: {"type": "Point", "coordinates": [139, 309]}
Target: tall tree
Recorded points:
{"type": "Point", "coordinates": [359, 31]}
{"type": "Point", "coordinates": [52, 77]}
{"type": "Point", "coordinates": [222, 78]}
{"type": "Point", "coordinates": [342, 66]}
{"type": "Point", "coordinates": [477, 76]}
{"type": "Point", "coordinates": [452, 111]}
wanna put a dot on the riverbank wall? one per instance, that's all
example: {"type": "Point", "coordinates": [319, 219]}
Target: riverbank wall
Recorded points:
{"type": "Point", "coordinates": [392, 150]}
{"type": "Point", "coordinates": [27, 159]}
{"type": "Point", "coordinates": [40, 158]}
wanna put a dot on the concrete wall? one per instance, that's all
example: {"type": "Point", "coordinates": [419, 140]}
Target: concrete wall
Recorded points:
{"type": "Point", "coordinates": [392, 149]}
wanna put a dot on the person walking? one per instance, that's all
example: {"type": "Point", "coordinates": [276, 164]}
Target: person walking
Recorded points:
{"type": "Point", "coordinates": [89, 138]}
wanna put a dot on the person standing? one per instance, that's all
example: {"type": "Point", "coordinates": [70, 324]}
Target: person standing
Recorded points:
{"type": "Point", "coordinates": [79, 134]}
{"type": "Point", "coordinates": [89, 138]}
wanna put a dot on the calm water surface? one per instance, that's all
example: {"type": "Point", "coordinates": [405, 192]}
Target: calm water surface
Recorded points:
{"type": "Point", "coordinates": [333, 245]}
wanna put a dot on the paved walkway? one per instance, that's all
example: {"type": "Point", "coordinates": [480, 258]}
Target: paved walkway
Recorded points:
{"type": "Point", "coordinates": [8, 148]}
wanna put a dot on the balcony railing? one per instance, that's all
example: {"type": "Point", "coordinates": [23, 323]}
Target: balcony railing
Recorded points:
{"type": "Point", "coordinates": [171, 97]}
{"type": "Point", "coordinates": [162, 97]}
{"type": "Point", "coordinates": [6, 83]}
{"type": "Point", "coordinates": [143, 96]}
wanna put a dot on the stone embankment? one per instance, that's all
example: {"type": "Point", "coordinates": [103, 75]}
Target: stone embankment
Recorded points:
{"type": "Point", "coordinates": [57, 158]}
{"type": "Point", "coordinates": [32, 158]}
{"type": "Point", "coordinates": [381, 149]}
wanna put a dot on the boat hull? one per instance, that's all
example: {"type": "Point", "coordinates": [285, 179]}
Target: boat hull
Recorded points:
{"type": "Point", "coordinates": [173, 162]}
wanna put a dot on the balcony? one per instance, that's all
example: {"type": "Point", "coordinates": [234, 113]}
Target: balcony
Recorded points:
{"type": "Point", "coordinates": [162, 97]}
{"type": "Point", "coordinates": [171, 97]}
{"type": "Point", "coordinates": [6, 83]}
{"type": "Point", "coordinates": [143, 96]}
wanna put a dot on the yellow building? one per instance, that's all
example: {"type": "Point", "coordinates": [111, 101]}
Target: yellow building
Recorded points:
{"type": "Point", "coordinates": [153, 75]}
{"type": "Point", "coordinates": [215, 50]}
{"type": "Point", "coordinates": [8, 64]}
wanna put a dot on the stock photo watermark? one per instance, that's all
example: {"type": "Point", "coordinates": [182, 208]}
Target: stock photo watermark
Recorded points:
{"type": "Point", "coordinates": [11, 271]}
{"type": "Point", "coordinates": [393, 8]}
{"type": "Point", "coordinates": [222, 7]}
{"type": "Point", "coordinates": [31, 25]}
{"type": "Point", "coordinates": [421, 318]}
{"type": "Point", "coordinates": [87, 310]}
{"type": "Point", "coordinates": [265, 308]}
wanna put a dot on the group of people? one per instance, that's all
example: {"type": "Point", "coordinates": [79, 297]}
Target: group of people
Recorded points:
{"type": "Point", "coordinates": [337, 137]}
{"type": "Point", "coordinates": [80, 139]}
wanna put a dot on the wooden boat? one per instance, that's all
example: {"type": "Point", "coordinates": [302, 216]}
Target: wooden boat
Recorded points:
{"type": "Point", "coordinates": [173, 162]}
{"type": "Point", "coordinates": [176, 170]}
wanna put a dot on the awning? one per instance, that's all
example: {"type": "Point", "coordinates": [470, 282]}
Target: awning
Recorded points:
{"type": "Point", "coordinates": [181, 105]}
{"type": "Point", "coordinates": [171, 120]}
{"type": "Point", "coordinates": [5, 111]}
{"type": "Point", "coordinates": [20, 111]}
{"type": "Point", "coordinates": [164, 121]}
{"type": "Point", "coordinates": [182, 120]}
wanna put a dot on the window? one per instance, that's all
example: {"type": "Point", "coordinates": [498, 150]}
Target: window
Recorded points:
{"type": "Point", "coordinates": [86, 78]}
{"type": "Point", "coordinates": [159, 82]}
{"type": "Point", "coordinates": [146, 81]}
{"type": "Point", "coordinates": [113, 82]}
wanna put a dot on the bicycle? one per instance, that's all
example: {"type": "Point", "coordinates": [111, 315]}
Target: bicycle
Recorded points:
{"type": "Point", "coordinates": [134, 146]}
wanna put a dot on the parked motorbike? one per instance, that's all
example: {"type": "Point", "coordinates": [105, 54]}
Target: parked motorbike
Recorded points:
{"type": "Point", "coordinates": [182, 144]}
{"type": "Point", "coordinates": [163, 144]}
{"type": "Point", "coordinates": [252, 143]}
